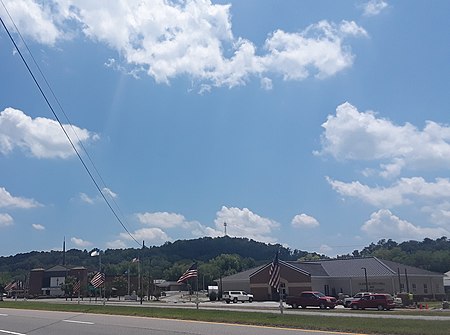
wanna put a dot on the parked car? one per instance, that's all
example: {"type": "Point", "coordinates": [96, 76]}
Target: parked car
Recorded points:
{"type": "Point", "coordinates": [347, 301]}
{"type": "Point", "coordinates": [235, 296]}
{"type": "Point", "coordinates": [378, 301]}
{"type": "Point", "coordinates": [311, 298]}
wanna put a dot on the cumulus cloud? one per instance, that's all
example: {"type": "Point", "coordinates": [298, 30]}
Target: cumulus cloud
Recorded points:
{"type": "Point", "coordinates": [161, 219]}
{"type": "Point", "coordinates": [245, 223]}
{"type": "Point", "coordinates": [304, 221]}
{"type": "Point", "coordinates": [165, 220]}
{"type": "Point", "coordinates": [34, 19]}
{"type": "Point", "coordinates": [6, 220]}
{"type": "Point", "coordinates": [374, 7]}
{"type": "Point", "coordinates": [403, 192]}
{"type": "Point", "coordinates": [384, 224]}
{"type": "Point", "coordinates": [152, 235]}
{"type": "Point", "coordinates": [92, 200]}
{"type": "Point", "coordinates": [167, 39]}
{"type": "Point", "coordinates": [38, 226]}
{"type": "Point", "coordinates": [39, 137]}
{"type": "Point", "coordinates": [318, 50]}
{"type": "Point", "coordinates": [80, 242]}
{"type": "Point", "coordinates": [8, 200]}
{"type": "Point", "coordinates": [354, 135]}
{"type": "Point", "coordinates": [116, 244]}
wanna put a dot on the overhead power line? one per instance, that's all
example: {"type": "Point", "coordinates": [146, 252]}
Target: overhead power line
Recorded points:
{"type": "Point", "coordinates": [60, 123]}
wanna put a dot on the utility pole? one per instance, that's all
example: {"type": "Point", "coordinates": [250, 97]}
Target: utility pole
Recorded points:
{"type": "Point", "coordinates": [225, 228]}
{"type": "Point", "coordinates": [365, 276]}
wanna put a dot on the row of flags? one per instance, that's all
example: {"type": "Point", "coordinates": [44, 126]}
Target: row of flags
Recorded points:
{"type": "Point", "coordinates": [274, 273]}
{"type": "Point", "coordinates": [99, 278]}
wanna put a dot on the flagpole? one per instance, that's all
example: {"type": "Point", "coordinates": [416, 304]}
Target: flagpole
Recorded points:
{"type": "Point", "coordinates": [196, 301]}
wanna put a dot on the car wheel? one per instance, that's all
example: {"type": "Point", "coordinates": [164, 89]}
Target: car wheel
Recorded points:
{"type": "Point", "coordinates": [235, 300]}
{"type": "Point", "coordinates": [354, 306]}
{"type": "Point", "coordinates": [250, 299]}
{"type": "Point", "coordinates": [295, 306]}
{"type": "Point", "coordinates": [332, 307]}
{"type": "Point", "coordinates": [303, 307]}
{"type": "Point", "coordinates": [322, 306]}
{"type": "Point", "coordinates": [380, 307]}
{"type": "Point", "coordinates": [228, 301]}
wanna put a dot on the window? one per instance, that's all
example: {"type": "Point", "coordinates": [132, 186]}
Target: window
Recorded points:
{"type": "Point", "coordinates": [414, 288]}
{"type": "Point", "coordinates": [425, 288]}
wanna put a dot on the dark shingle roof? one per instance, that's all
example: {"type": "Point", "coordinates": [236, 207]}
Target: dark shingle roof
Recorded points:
{"type": "Point", "coordinates": [314, 269]}
{"type": "Point", "coordinates": [411, 270]}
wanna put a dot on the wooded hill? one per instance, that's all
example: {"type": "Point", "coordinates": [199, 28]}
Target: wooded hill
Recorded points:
{"type": "Point", "coordinates": [217, 257]}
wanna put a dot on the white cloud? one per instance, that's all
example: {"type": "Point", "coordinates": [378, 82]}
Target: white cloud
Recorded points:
{"type": "Point", "coordinates": [266, 83]}
{"type": "Point", "coordinates": [167, 39]}
{"type": "Point", "coordinates": [6, 220]}
{"type": "Point", "coordinates": [374, 7]}
{"type": "Point", "coordinates": [107, 192]}
{"type": "Point", "coordinates": [34, 19]}
{"type": "Point", "coordinates": [304, 221]}
{"type": "Point", "coordinates": [87, 199]}
{"type": "Point", "coordinates": [325, 249]}
{"type": "Point", "coordinates": [384, 224]}
{"type": "Point", "coordinates": [161, 219]}
{"type": "Point", "coordinates": [403, 192]}
{"type": "Point", "coordinates": [80, 242]}
{"type": "Point", "coordinates": [245, 223]}
{"type": "Point", "coordinates": [151, 235]}
{"type": "Point", "coordinates": [92, 200]}
{"type": "Point", "coordinates": [38, 226]}
{"type": "Point", "coordinates": [40, 137]}
{"type": "Point", "coordinates": [117, 244]}
{"type": "Point", "coordinates": [165, 220]}
{"type": "Point", "coordinates": [319, 48]}
{"type": "Point", "coordinates": [7, 200]}
{"type": "Point", "coordinates": [354, 135]}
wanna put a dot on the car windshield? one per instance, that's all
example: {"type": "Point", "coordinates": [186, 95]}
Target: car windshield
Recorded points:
{"type": "Point", "coordinates": [319, 294]}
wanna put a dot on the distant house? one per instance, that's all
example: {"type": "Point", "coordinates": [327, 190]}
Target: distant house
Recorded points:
{"type": "Point", "coordinates": [336, 276]}
{"type": "Point", "coordinates": [48, 282]}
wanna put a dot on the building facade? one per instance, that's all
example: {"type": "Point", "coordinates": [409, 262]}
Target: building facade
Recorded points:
{"type": "Point", "coordinates": [49, 282]}
{"type": "Point", "coordinates": [347, 276]}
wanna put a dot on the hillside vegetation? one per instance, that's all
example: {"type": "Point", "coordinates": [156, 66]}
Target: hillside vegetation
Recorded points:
{"type": "Point", "coordinates": [221, 256]}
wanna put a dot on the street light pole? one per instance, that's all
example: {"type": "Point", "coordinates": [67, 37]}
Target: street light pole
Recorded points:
{"type": "Point", "coordinates": [365, 276]}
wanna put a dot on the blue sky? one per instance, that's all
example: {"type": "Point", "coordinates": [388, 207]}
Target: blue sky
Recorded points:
{"type": "Point", "coordinates": [320, 125]}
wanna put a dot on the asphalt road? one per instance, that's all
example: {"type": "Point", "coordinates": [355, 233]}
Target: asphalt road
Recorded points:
{"type": "Point", "coordinates": [18, 322]}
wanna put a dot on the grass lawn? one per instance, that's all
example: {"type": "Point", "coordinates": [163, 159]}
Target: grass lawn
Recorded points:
{"type": "Point", "coordinates": [330, 322]}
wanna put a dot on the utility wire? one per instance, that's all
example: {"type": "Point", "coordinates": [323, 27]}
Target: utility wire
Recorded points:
{"type": "Point", "coordinates": [61, 125]}
{"type": "Point", "coordinates": [60, 106]}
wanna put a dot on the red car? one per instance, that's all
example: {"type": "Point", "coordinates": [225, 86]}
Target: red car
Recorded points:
{"type": "Point", "coordinates": [378, 301]}
{"type": "Point", "coordinates": [311, 298]}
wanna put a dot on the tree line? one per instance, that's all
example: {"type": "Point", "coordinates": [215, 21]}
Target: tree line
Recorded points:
{"type": "Point", "coordinates": [216, 257]}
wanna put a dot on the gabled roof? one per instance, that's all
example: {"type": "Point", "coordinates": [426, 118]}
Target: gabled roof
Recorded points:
{"type": "Point", "coordinates": [244, 275]}
{"type": "Point", "coordinates": [57, 268]}
{"type": "Point", "coordinates": [313, 269]}
{"type": "Point", "coordinates": [354, 267]}
{"type": "Point", "coordinates": [287, 264]}
{"type": "Point", "coordinates": [409, 269]}
{"type": "Point", "coordinates": [342, 268]}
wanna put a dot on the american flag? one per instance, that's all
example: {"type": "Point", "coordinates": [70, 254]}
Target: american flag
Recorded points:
{"type": "Point", "coordinates": [98, 279]}
{"type": "Point", "coordinates": [274, 273]}
{"type": "Point", "coordinates": [76, 287]}
{"type": "Point", "coordinates": [11, 286]}
{"type": "Point", "coordinates": [190, 273]}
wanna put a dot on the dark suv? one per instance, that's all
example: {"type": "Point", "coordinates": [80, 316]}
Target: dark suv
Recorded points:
{"type": "Point", "coordinates": [378, 301]}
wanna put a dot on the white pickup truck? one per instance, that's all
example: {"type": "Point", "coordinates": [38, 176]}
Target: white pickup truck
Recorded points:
{"type": "Point", "coordinates": [235, 296]}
